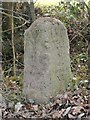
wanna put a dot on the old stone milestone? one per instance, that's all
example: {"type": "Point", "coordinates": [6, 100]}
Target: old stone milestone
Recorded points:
{"type": "Point", "coordinates": [46, 59]}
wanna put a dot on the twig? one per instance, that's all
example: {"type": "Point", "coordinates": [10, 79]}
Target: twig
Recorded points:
{"type": "Point", "coordinates": [15, 27]}
{"type": "Point", "coordinates": [15, 12]}
{"type": "Point", "coordinates": [26, 21]}
{"type": "Point", "coordinates": [15, 17]}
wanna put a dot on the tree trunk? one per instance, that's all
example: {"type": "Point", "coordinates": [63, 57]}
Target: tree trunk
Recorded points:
{"type": "Point", "coordinates": [32, 10]}
{"type": "Point", "coordinates": [89, 47]}
{"type": "Point", "coordinates": [8, 20]}
{"type": "Point", "coordinates": [9, 26]}
{"type": "Point", "coordinates": [88, 39]}
{"type": "Point", "coordinates": [29, 10]}
{"type": "Point", "coordinates": [13, 47]}
{"type": "Point", "coordinates": [0, 61]}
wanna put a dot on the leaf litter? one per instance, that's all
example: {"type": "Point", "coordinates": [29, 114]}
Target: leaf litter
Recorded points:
{"type": "Point", "coordinates": [68, 106]}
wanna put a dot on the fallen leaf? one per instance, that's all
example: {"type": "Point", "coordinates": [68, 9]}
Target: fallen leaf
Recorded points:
{"type": "Point", "coordinates": [76, 109]}
{"type": "Point", "coordinates": [81, 115]}
{"type": "Point", "coordinates": [67, 111]}
{"type": "Point", "coordinates": [56, 115]}
{"type": "Point", "coordinates": [35, 107]}
{"type": "Point", "coordinates": [71, 116]}
{"type": "Point", "coordinates": [18, 106]}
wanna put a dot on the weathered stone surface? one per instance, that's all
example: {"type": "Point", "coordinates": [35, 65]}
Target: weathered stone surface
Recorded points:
{"type": "Point", "coordinates": [46, 59]}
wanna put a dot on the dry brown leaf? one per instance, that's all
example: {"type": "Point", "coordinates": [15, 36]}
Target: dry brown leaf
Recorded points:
{"type": "Point", "coordinates": [81, 115]}
{"type": "Point", "coordinates": [35, 107]}
{"type": "Point", "coordinates": [56, 115]}
{"type": "Point", "coordinates": [67, 111]}
{"type": "Point", "coordinates": [76, 109]}
{"type": "Point", "coordinates": [71, 116]}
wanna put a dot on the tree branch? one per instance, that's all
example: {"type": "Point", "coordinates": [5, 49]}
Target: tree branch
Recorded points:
{"type": "Point", "coordinates": [14, 12]}
{"type": "Point", "coordinates": [14, 27]}
{"type": "Point", "coordinates": [15, 17]}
